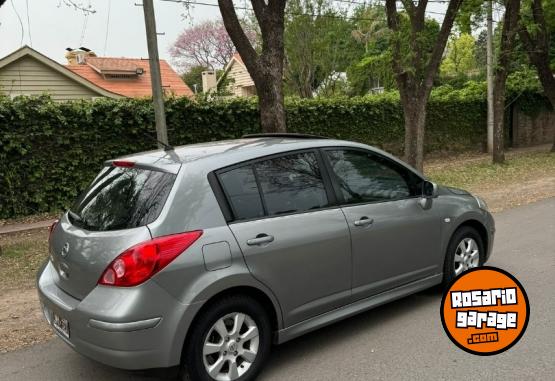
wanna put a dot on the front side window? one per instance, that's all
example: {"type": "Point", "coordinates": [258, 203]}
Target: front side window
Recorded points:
{"type": "Point", "coordinates": [291, 184]}
{"type": "Point", "coordinates": [365, 177]}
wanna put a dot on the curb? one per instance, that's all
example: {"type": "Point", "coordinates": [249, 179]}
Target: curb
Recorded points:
{"type": "Point", "coordinates": [16, 228]}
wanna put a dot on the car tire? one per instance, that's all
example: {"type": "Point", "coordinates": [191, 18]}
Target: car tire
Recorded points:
{"type": "Point", "coordinates": [458, 259]}
{"type": "Point", "coordinates": [205, 334]}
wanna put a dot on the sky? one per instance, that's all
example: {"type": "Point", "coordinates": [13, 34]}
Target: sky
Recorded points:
{"type": "Point", "coordinates": [54, 26]}
{"type": "Point", "coordinates": [51, 26]}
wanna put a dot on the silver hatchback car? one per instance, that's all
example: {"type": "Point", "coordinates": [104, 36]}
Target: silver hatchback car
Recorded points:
{"type": "Point", "coordinates": [205, 255]}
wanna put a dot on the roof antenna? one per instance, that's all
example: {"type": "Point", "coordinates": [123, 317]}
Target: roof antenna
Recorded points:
{"type": "Point", "coordinates": [167, 147]}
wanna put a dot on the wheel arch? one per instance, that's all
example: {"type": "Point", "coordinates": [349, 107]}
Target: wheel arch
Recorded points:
{"type": "Point", "coordinates": [480, 228]}
{"type": "Point", "coordinates": [267, 302]}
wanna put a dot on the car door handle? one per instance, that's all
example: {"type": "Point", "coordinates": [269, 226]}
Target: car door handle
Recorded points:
{"type": "Point", "coordinates": [364, 221]}
{"type": "Point", "coordinates": [260, 239]}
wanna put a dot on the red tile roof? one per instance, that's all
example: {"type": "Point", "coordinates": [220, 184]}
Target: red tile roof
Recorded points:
{"type": "Point", "coordinates": [238, 57]}
{"type": "Point", "coordinates": [134, 87]}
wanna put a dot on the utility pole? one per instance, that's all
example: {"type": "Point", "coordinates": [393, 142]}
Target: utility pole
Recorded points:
{"type": "Point", "coordinates": [156, 77]}
{"type": "Point", "coordinates": [489, 73]}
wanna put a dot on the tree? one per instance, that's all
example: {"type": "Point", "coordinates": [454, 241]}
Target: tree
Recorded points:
{"type": "Point", "coordinates": [206, 44]}
{"type": "Point", "coordinates": [536, 39]}
{"type": "Point", "coordinates": [415, 72]}
{"type": "Point", "coordinates": [480, 51]}
{"type": "Point", "coordinates": [318, 46]}
{"type": "Point", "coordinates": [265, 67]}
{"type": "Point", "coordinates": [371, 26]}
{"type": "Point", "coordinates": [373, 69]}
{"type": "Point", "coordinates": [460, 59]}
{"type": "Point", "coordinates": [193, 77]}
{"type": "Point", "coordinates": [470, 16]}
{"type": "Point", "coordinates": [501, 71]}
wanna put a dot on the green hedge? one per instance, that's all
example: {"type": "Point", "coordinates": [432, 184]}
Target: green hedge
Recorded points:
{"type": "Point", "coordinates": [50, 151]}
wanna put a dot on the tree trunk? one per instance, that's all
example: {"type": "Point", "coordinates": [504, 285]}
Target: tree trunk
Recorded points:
{"type": "Point", "coordinates": [415, 76]}
{"type": "Point", "coordinates": [538, 52]}
{"type": "Point", "coordinates": [508, 34]}
{"type": "Point", "coordinates": [499, 117]}
{"type": "Point", "coordinates": [415, 125]}
{"type": "Point", "coordinates": [266, 67]}
{"type": "Point", "coordinates": [548, 83]}
{"type": "Point", "coordinates": [270, 101]}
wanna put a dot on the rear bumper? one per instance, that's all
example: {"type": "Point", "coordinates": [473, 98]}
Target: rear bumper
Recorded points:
{"type": "Point", "coordinates": [130, 328]}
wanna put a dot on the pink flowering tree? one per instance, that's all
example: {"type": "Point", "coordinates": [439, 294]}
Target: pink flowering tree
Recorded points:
{"type": "Point", "coordinates": [206, 44]}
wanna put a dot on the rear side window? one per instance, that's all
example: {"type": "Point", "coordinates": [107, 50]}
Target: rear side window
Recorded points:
{"type": "Point", "coordinates": [291, 184]}
{"type": "Point", "coordinates": [122, 198]}
{"type": "Point", "coordinates": [283, 185]}
{"type": "Point", "coordinates": [242, 192]}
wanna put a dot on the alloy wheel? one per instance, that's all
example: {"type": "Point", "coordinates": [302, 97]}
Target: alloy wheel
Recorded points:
{"type": "Point", "coordinates": [231, 346]}
{"type": "Point", "coordinates": [467, 255]}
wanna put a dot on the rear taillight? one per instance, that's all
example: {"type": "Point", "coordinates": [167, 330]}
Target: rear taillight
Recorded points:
{"type": "Point", "coordinates": [51, 229]}
{"type": "Point", "coordinates": [140, 262]}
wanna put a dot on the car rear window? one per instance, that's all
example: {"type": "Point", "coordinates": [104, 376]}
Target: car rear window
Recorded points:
{"type": "Point", "coordinates": [122, 198]}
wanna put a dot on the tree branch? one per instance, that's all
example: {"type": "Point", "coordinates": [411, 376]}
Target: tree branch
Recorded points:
{"type": "Point", "coordinates": [238, 36]}
{"type": "Point", "coordinates": [421, 9]}
{"type": "Point", "coordinates": [259, 7]}
{"type": "Point", "coordinates": [439, 46]}
{"type": "Point", "coordinates": [409, 6]}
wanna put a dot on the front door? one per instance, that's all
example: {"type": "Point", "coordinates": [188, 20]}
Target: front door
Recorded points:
{"type": "Point", "coordinates": [394, 239]}
{"type": "Point", "coordinates": [292, 239]}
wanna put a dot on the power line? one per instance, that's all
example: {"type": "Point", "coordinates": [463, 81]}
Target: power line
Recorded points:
{"type": "Point", "coordinates": [85, 24]}
{"type": "Point", "coordinates": [192, 2]}
{"type": "Point", "coordinates": [20, 23]}
{"type": "Point", "coordinates": [29, 23]}
{"type": "Point", "coordinates": [107, 27]}
{"type": "Point", "coordinates": [84, 29]}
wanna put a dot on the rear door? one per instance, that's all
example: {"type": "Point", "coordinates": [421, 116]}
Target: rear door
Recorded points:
{"type": "Point", "coordinates": [108, 218]}
{"type": "Point", "coordinates": [293, 239]}
{"type": "Point", "coordinates": [394, 240]}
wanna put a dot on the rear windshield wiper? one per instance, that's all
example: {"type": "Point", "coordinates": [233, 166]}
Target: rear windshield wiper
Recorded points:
{"type": "Point", "coordinates": [74, 216]}
{"type": "Point", "coordinates": [78, 220]}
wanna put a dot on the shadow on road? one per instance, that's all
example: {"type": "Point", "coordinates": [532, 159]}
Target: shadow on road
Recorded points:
{"type": "Point", "coordinates": [68, 365]}
{"type": "Point", "coordinates": [346, 330]}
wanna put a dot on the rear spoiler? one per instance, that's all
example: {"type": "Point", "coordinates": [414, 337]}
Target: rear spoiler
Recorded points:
{"type": "Point", "coordinates": [157, 164]}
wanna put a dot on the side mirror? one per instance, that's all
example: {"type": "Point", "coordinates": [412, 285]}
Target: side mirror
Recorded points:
{"type": "Point", "coordinates": [429, 189]}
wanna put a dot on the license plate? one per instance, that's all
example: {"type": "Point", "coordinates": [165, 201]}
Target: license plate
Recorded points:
{"type": "Point", "coordinates": [61, 325]}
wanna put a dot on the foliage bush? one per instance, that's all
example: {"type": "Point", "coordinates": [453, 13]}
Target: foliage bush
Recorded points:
{"type": "Point", "coordinates": [50, 151]}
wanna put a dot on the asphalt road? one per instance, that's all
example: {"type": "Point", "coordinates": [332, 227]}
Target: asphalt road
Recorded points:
{"type": "Point", "coordinates": [403, 340]}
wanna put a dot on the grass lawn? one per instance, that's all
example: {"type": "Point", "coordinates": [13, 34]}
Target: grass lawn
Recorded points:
{"type": "Point", "coordinates": [525, 177]}
{"type": "Point", "coordinates": [482, 173]}
{"type": "Point", "coordinates": [21, 254]}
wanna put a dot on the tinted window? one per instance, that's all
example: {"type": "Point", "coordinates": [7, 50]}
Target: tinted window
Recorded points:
{"type": "Point", "coordinates": [242, 192]}
{"type": "Point", "coordinates": [364, 177]}
{"type": "Point", "coordinates": [291, 184]}
{"type": "Point", "coordinates": [122, 198]}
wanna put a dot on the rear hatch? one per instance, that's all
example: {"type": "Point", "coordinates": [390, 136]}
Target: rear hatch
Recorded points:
{"type": "Point", "coordinates": [110, 216]}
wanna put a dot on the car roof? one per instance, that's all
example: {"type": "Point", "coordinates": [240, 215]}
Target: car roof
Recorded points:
{"type": "Point", "coordinates": [223, 153]}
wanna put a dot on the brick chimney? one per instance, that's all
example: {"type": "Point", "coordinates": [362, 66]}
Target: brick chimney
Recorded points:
{"type": "Point", "coordinates": [209, 81]}
{"type": "Point", "coordinates": [78, 56]}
